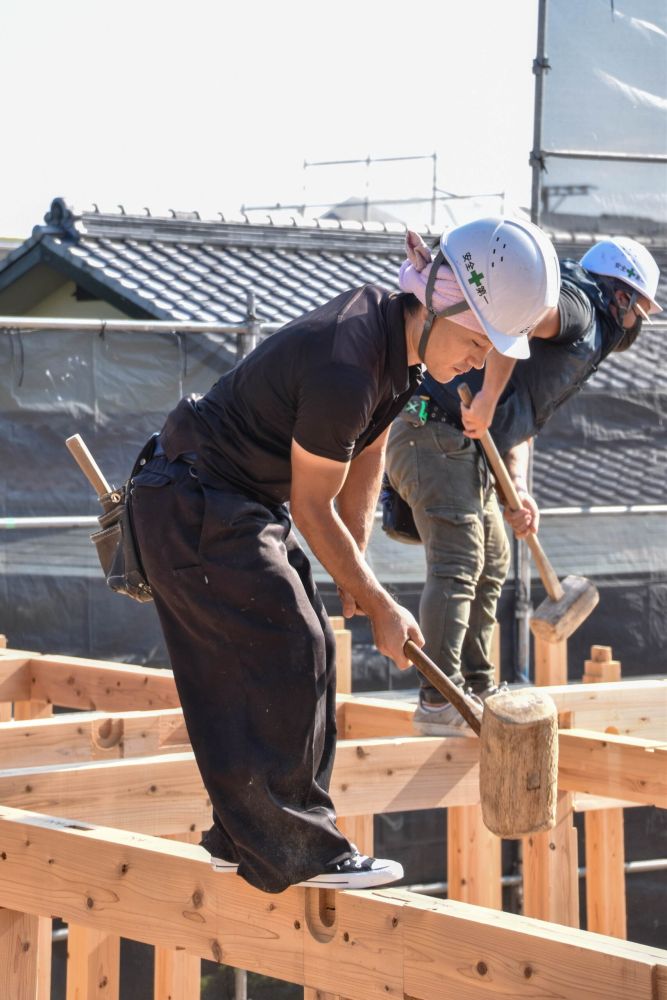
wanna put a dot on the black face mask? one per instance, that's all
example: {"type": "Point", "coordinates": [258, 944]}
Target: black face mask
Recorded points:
{"type": "Point", "coordinates": [628, 337]}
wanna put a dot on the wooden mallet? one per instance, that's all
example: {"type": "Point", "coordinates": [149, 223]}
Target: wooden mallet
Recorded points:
{"type": "Point", "coordinates": [518, 760]}
{"type": "Point", "coordinates": [570, 601]}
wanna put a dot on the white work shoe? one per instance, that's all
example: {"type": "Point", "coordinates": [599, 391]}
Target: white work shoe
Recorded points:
{"type": "Point", "coordinates": [445, 719]}
{"type": "Point", "coordinates": [356, 872]}
{"type": "Point", "coordinates": [220, 865]}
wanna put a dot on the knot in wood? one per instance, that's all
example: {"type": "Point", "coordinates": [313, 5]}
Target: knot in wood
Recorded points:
{"type": "Point", "coordinates": [482, 968]}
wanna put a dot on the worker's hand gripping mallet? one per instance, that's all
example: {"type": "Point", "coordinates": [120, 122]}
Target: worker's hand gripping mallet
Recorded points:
{"type": "Point", "coordinates": [570, 601]}
{"type": "Point", "coordinates": [518, 759]}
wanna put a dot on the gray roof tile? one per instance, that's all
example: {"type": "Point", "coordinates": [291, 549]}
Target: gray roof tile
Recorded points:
{"type": "Point", "coordinates": [183, 268]}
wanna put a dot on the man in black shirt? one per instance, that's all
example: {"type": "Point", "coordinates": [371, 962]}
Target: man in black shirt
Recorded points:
{"type": "Point", "coordinates": [304, 418]}
{"type": "Point", "coordinates": [435, 467]}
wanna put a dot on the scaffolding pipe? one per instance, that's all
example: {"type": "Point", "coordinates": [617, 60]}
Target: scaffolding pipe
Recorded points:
{"type": "Point", "coordinates": [515, 880]}
{"type": "Point", "coordinates": [102, 326]}
{"type": "Point", "coordinates": [589, 154]}
{"type": "Point", "coordinates": [89, 521]}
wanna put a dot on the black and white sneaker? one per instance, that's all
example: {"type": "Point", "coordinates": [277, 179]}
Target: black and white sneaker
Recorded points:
{"type": "Point", "coordinates": [220, 865]}
{"type": "Point", "coordinates": [355, 872]}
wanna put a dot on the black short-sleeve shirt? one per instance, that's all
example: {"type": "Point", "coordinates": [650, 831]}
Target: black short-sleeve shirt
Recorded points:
{"type": "Point", "coordinates": [333, 380]}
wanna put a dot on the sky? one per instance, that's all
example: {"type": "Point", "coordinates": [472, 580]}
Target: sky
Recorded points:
{"type": "Point", "coordinates": [210, 106]}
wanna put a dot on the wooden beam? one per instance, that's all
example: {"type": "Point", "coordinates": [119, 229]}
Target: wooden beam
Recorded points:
{"type": "Point", "coordinates": [71, 738]}
{"type": "Point", "coordinates": [369, 717]}
{"type": "Point", "coordinates": [25, 956]}
{"type": "Point", "coordinates": [164, 794]}
{"type": "Point", "coordinates": [14, 676]}
{"type": "Point", "coordinates": [625, 708]}
{"type": "Point", "coordinates": [73, 682]}
{"type": "Point", "coordinates": [379, 944]}
{"type": "Point", "coordinates": [619, 767]}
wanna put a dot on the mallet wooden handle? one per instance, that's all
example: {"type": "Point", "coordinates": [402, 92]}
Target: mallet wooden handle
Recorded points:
{"type": "Point", "coordinates": [441, 682]}
{"type": "Point", "coordinates": [87, 464]}
{"type": "Point", "coordinates": [544, 567]}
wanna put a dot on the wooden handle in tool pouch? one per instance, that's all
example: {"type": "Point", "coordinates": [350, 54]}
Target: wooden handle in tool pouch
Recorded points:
{"type": "Point", "coordinates": [544, 567]}
{"type": "Point", "coordinates": [87, 464]}
{"type": "Point", "coordinates": [441, 682]}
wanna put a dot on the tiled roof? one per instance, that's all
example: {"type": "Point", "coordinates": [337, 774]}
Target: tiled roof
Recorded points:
{"type": "Point", "coordinates": [186, 268]}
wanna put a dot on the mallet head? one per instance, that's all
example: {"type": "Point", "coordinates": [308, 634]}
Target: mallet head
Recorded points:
{"type": "Point", "coordinates": [556, 620]}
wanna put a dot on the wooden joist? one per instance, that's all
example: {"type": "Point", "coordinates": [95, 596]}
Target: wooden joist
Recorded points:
{"type": "Point", "coordinates": [163, 794]}
{"type": "Point", "coordinates": [631, 707]}
{"type": "Point", "coordinates": [386, 943]}
{"type": "Point", "coordinates": [616, 766]}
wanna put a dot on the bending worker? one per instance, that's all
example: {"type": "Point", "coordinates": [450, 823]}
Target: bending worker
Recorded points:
{"type": "Point", "coordinates": [436, 467]}
{"type": "Point", "coordinates": [303, 418]}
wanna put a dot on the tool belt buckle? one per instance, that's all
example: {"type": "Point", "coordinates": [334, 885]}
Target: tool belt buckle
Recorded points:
{"type": "Point", "coordinates": [417, 410]}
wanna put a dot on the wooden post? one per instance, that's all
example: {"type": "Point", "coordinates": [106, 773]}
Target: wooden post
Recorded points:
{"type": "Point", "coordinates": [474, 853]}
{"type": "Point", "coordinates": [93, 964]}
{"type": "Point", "coordinates": [28, 938]}
{"type": "Point", "coordinates": [5, 706]}
{"type": "Point", "coordinates": [358, 829]}
{"type": "Point", "coordinates": [550, 662]}
{"type": "Point", "coordinates": [25, 956]}
{"type": "Point", "coordinates": [177, 975]}
{"type": "Point", "coordinates": [551, 870]}
{"type": "Point", "coordinates": [605, 844]}
{"type": "Point", "coordinates": [495, 652]}
{"type": "Point", "coordinates": [473, 859]}
{"type": "Point", "coordinates": [551, 859]}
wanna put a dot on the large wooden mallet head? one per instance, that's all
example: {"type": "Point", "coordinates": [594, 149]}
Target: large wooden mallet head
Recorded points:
{"type": "Point", "coordinates": [518, 761]}
{"type": "Point", "coordinates": [567, 604]}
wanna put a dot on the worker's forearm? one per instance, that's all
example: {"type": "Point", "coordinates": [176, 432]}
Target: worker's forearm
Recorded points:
{"type": "Point", "coordinates": [497, 371]}
{"type": "Point", "coordinates": [516, 460]}
{"type": "Point", "coordinates": [357, 500]}
{"type": "Point", "coordinates": [333, 544]}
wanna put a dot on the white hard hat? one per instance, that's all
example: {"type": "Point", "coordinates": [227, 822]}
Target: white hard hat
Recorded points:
{"type": "Point", "coordinates": [509, 273]}
{"type": "Point", "coordinates": [629, 262]}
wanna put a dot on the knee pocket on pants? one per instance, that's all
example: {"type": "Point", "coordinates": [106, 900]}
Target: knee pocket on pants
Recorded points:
{"type": "Point", "coordinates": [455, 546]}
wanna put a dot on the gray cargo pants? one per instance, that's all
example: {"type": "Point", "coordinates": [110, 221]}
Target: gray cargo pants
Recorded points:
{"type": "Point", "coordinates": [441, 475]}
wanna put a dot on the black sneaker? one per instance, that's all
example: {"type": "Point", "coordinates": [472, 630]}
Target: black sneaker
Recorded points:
{"type": "Point", "coordinates": [356, 872]}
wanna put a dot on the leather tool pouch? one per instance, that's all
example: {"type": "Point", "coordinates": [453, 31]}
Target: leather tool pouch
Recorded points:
{"type": "Point", "coordinates": [115, 542]}
{"type": "Point", "coordinates": [397, 520]}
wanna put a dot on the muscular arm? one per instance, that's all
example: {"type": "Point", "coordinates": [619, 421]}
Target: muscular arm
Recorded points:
{"type": "Point", "coordinates": [358, 496]}
{"type": "Point", "coordinates": [526, 520]}
{"type": "Point", "coordinates": [316, 483]}
{"type": "Point", "coordinates": [477, 417]}
{"type": "Point", "coordinates": [498, 369]}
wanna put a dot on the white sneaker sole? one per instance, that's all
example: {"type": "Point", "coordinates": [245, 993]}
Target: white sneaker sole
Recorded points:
{"type": "Point", "coordinates": [384, 874]}
{"type": "Point", "coordinates": [218, 865]}
{"type": "Point", "coordinates": [437, 729]}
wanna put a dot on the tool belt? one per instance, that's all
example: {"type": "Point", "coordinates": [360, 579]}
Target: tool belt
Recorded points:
{"type": "Point", "coordinates": [420, 410]}
{"type": "Point", "coordinates": [397, 520]}
{"type": "Point", "coordinates": [115, 542]}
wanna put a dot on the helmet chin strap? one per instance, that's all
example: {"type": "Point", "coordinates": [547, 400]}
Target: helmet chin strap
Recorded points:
{"type": "Point", "coordinates": [458, 307]}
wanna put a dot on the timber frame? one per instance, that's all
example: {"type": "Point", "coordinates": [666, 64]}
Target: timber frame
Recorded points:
{"type": "Point", "coordinates": [101, 812]}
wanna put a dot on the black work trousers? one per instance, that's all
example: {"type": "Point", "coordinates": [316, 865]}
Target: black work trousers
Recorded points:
{"type": "Point", "coordinates": [253, 655]}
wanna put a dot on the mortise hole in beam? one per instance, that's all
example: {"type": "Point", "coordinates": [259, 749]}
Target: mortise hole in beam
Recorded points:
{"type": "Point", "coordinates": [320, 911]}
{"type": "Point", "coordinates": [109, 733]}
